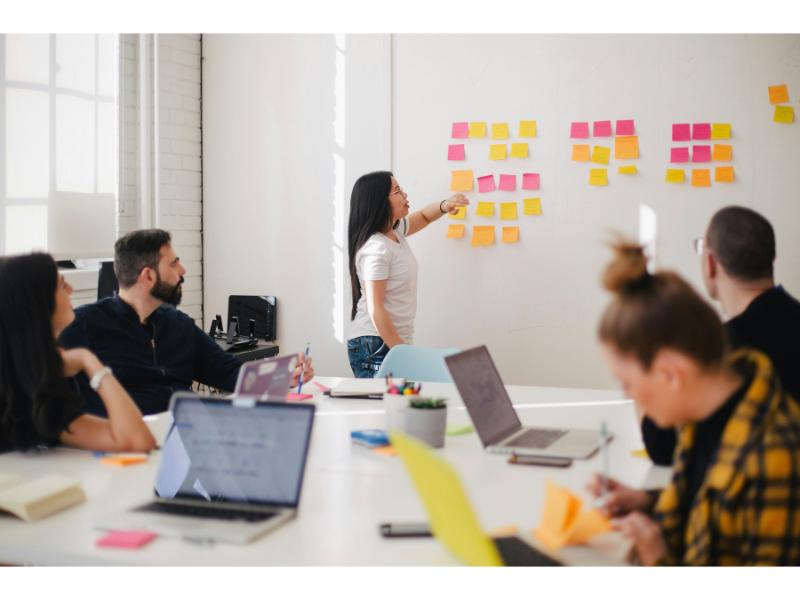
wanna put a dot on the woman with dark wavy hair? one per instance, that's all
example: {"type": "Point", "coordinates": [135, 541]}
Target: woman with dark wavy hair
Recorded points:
{"type": "Point", "coordinates": [38, 405]}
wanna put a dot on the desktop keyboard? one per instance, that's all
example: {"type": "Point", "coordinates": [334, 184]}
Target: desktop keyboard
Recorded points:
{"type": "Point", "coordinates": [206, 512]}
{"type": "Point", "coordinates": [536, 438]}
{"type": "Point", "coordinates": [516, 553]}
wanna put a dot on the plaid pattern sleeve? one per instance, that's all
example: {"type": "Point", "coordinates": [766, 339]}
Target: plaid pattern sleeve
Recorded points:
{"type": "Point", "coordinates": [747, 512]}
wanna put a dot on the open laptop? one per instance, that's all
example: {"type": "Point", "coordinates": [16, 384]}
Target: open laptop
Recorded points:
{"type": "Point", "coordinates": [230, 471]}
{"type": "Point", "coordinates": [269, 378]}
{"type": "Point", "coordinates": [496, 420]}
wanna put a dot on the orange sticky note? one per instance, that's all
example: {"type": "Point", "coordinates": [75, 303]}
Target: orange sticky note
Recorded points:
{"type": "Point", "coordinates": [461, 213]}
{"type": "Point", "coordinates": [532, 206]}
{"type": "Point", "coordinates": [527, 129]}
{"type": "Point", "coordinates": [519, 150]}
{"type": "Point", "coordinates": [626, 147]}
{"type": "Point", "coordinates": [123, 460]}
{"type": "Point", "coordinates": [477, 130]}
{"type": "Point", "coordinates": [564, 522]}
{"type": "Point", "coordinates": [701, 177]}
{"type": "Point", "coordinates": [386, 450]}
{"type": "Point", "coordinates": [675, 176]}
{"type": "Point", "coordinates": [723, 152]}
{"type": "Point", "coordinates": [483, 235]}
{"type": "Point", "coordinates": [510, 235]}
{"type": "Point", "coordinates": [778, 94]}
{"type": "Point", "coordinates": [724, 174]}
{"type": "Point", "coordinates": [455, 232]}
{"type": "Point", "coordinates": [461, 181]}
{"type": "Point", "coordinates": [580, 152]}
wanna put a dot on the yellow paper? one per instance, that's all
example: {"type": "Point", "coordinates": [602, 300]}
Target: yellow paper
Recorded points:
{"type": "Point", "coordinates": [701, 177]}
{"type": "Point", "coordinates": [724, 174]}
{"type": "Point", "coordinates": [722, 152]}
{"type": "Point", "coordinates": [778, 94]}
{"type": "Point", "coordinates": [510, 235]}
{"type": "Point", "coordinates": [580, 152]}
{"type": "Point", "coordinates": [123, 460]}
{"type": "Point", "coordinates": [598, 176]}
{"type": "Point", "coordinates": [527, 129]}
{"type": "Point", "coordinates": [720, 131]}
{"type": "Point", "coordinates": [564, 522]}
{"type": "Point", "coordinates": [508, 211]}
{"type": "Point", "coordinates": [483, 235]}
{"type": "Point", "coordinates": [519, 150]}
{"type": "Point", "coordinates": [497, 151]}
{"type": "Point", "coordinates": [461, 213]}
{"type": "Point", "coordinates": [675, 176]}
{"type": "Point", "coordinates": [626, 147]}
{"type": "Point", "coordinates": [499, 131]}
{"type": "Point", "coordinates": [627, 170]}
{"type": "Point", "coordinates": [640, 453]}
{"type": "Point", "coordinates": [485, 209]}
{"type": "Point", "coordinates": [601, 154]}
{"type": "Point", "coordinates": [533, 206]}
{"type": "Point", "coordinates": [455, 232]}
{"type": "Point", "coordinates": [477, 130]}
{"type": "Point", "coordinates": [461, 181]}
{"type": "Point", "coordinates": [784, 114]}
{"type": "Point", "coordinates": [386, 450]}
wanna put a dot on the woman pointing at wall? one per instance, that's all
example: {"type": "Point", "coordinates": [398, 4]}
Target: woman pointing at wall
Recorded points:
{"type": "Point", "coordinates": [383, 270]}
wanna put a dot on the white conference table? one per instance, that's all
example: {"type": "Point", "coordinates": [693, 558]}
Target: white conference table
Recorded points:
{"type": "Point", "coordinates": [347, 492]}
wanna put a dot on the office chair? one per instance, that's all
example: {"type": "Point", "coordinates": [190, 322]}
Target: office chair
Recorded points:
{"type": "Point", "coordinates": [107, 284]}
{"type": "Point", "coordinates": [417, 363]}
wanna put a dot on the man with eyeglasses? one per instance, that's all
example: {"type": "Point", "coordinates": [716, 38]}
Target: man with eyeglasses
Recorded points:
{"type": "Point", "coordinates": [737, 255]}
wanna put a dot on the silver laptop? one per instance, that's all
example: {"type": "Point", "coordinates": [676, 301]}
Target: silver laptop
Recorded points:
{"type": "Point", "coordinates": [230, 471]}
{"type": "Point", "coordinates": [267, 378]}
{"type": "Point", "coordinates": [496, 420]}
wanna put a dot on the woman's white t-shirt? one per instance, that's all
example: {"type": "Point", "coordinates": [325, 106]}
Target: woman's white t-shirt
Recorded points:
{"type": "Point", "coordinates": [382, 258]}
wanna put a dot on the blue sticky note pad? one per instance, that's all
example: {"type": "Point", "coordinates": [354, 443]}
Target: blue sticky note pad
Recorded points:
{"type": "Point", "coordinates": [371, 438]}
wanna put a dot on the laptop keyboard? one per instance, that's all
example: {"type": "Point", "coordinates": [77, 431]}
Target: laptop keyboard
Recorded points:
{"type": "Point", "coordinates": [516, 553]}
{"type": "Point", "coordinates": [537, 438]}
{"type": "Point", "coordinates": [206, 512]}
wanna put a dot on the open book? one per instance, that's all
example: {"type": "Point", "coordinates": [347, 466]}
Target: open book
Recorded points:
{"type": "Point", "coordinates": [38, 498]}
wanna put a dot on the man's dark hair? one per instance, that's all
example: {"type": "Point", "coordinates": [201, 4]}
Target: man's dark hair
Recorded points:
{"type": "Point", "coordinates": [137, 250]}
{"type": "Point", "coordinates": [743, 241]}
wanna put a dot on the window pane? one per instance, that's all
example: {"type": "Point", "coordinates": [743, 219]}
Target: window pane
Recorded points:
{"type": "Point", "coordinates": [75, 131]}
{"type": "Point", "coordinates": [26, 229]}
{"type": "Point", "coordinates": [28, 57]}
{"type": "Point", "coordinates": [27, 144]}
{"type": "Point", "coordinates": [76, 61]}
{"type": "Point", "coordinates": [107, 148]}
{"type": "Point", "coordinates": [107, 65]}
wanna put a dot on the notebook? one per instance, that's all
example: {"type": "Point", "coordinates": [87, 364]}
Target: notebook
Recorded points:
{"type": "Point", "coordinates": [33, 499]}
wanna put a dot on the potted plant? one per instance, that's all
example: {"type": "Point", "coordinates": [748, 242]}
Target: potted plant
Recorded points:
{"type": "Point", "coordinates": [426, 420]}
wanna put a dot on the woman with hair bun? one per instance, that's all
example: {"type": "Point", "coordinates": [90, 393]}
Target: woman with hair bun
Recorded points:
{"type": "Point", "coordinates": [734, 498]}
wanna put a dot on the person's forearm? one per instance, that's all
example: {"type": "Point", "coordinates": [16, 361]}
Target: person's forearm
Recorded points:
{"type": "Point", "coordinates": [386, 330]}
{"type": "Point", "coordinates": [432, 211]}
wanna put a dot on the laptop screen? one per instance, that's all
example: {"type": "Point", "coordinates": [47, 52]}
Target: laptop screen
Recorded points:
{"type": "Point", "coordinates": [221, 451]}
{"type": "Point", "coordinates": [483, 394]}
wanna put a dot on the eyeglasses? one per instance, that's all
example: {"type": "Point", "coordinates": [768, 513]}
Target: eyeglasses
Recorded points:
{"type": "Point", "coordinates": [399, 190]}
{"type": "Point", "coordinates": [699, 245]}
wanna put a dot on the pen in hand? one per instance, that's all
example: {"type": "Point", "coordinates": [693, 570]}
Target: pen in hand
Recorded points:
{"type": "Point", "coordinates": [302, 369]}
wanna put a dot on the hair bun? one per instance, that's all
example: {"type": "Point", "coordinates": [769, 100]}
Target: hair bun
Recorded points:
{"type": "Point", "coordinates": [628, 267]}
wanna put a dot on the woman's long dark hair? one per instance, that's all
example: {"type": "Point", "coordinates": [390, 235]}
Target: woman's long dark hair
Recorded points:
{"type": "Point", "coordinates": [369, 214]}
{"type": "Point", "coordinates": [34, 395]}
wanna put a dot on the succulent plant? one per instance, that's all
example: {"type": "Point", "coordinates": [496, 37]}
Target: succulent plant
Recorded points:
{"type": "Point", "coordinates": [428, 403]}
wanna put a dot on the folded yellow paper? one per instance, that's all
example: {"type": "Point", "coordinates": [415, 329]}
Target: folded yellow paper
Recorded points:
{"type": "Point", "coordinates": [563, 522]}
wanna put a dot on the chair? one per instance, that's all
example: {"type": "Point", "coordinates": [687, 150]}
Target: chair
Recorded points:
{"type": "Point", "coordinates": [417, 363]}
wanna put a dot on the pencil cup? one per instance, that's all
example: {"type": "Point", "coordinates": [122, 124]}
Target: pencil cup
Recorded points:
{"type": "Point", "coordinates": [426, 420]}
{"type": "Point", "coordinates": [396, 406]}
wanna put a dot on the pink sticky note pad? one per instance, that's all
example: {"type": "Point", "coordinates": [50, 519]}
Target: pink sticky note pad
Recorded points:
{"type": "Point", "coordinates": [530, 181]}
{"type": "Point", "coordinates": [579, 130]}
{"type": "Point", "coordinates": [294, 397]}
{"type": "Point", "coordinates": [602, 129]}
{"type": "Point", "coordinates": [701, 131]}
{"type": "Point", "coordinates": [486, 184]}
{"type": "Point", "coordinates": [455, 152]}
{"type": "Point", "coordinates": [625, 127]}
{"type": "Point", "coordinates": [126, 539]}
{"type": "Point", "coordinates": [460, 130]}
{"type": "Point", "coordinates": [681, 132]}
{"type": "Point", "coordinates": [701, 154]}
{"type": "Point", "coordinates": [508, 183]}
{"type": "Point", "coordinates": [679, 155]}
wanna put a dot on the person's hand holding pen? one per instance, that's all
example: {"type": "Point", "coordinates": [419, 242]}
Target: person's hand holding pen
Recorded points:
{"type": "Point", "coordinates": [304, 367]}
{"type": "Point", "coordinates": [619, 498]}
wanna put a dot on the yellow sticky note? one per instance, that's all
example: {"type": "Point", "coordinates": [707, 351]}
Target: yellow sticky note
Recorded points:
{"type": "Point", "coordinates": [461, 213]}
{"type": "Point", "coordinates": [483, 235]}
{"type": "Point", "coordinates": [580, 152]}
{"type": "Point", "coordinates": [784, 114]}
{"type": "Point", "coordinates": [527, 129]}
{"type": "Point", "coordinates": [601, 154]}
{"type": "Point", "coordinates": [461, 181]}
{"type": "Point", "coordinates": [519, 150]}
{"type": "Point", "coordinates": [508, 211]}
{"type": "Point", "coordinates": [499, 131]}
{"type": "Point", "coordinates": [720, 131]}
{"type": "Point", "coordinates": [510, 235]}
{"type": "Point", "coordinates": [626, 147]}
{"type": "Point", "coordinates": [778, 94]}
{"type": "Point", "coordinates": [627, 170]}
{"type": "Point", "coordinates": [455, 232]}
{"type": "Point", "coordinates": [640, 453]}
{"type": "Point", "coordinates": [563, 521]}
{"type": "Point", "coordinates": [485, 209]}
{"type": "Point", "coordinates": [723, 152]}
{"type": "Point", "coordinates": [701, 177]}
{"type": "Point", "coordinates": [532, 206]}
{"type": "Point", "coordinates": [723, 174]}
{"type": "Point", "coordinates": [123, 460]}
{"type": "Point", "coordinates": [477, 130]}
{"type": "Point", "coordinates": [598, 176]}
{"type": "Point", "coordinates": [497, 151]}
{"type": "Point", "coordinates": [675, 176]}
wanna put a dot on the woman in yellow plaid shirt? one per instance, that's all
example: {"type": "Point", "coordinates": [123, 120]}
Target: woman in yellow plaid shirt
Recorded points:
{"type": "Point", "coordinates": [734, 498]}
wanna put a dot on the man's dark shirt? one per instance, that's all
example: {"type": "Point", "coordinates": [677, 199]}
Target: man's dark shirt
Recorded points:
{"type": "Point", "coordinates": [770, 323]}
{"type": "Point", "coordinates": [151, 361]}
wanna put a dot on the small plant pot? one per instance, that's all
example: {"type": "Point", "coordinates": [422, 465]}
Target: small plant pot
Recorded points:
{"type": "Point", "coordinates": [427, 424]}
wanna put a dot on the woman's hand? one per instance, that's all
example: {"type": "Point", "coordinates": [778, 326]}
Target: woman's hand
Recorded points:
{"type": "Point", "coordinates": [452, 204]}
{"type": "Point", "coordinates": [304, 365]}
{"type": "Point", "coordinates": [620, 499]}
{"type": "Point", "coordinates": [77, 360]}
{"type": "Point", "coordinates": [648, 541]}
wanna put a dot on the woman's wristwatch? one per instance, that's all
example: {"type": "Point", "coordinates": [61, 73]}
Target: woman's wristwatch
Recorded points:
{"type": "Point", "coordinates": [97, 378]}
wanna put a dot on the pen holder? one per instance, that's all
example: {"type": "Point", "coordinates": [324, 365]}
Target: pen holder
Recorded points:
{"type": "Point", "coordinates": [396, 406]}
{"type": "Point", "coordinates": [426, 420]}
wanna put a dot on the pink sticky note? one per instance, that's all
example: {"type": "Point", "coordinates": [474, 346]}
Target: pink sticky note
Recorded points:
{"type": "Point", "coordinates": [295, 397]}
{"type": "Point", "coordinates": [530, 181]}
{"type": "Point", "coordinates": [126, 539]}
{"type": "Point", "coordinates": [460, 130]}
{"type": "Point", "coordinates": [701, 131]}
{"type": "Point", "coordinates": [602, 129]}
{"type": "Point", "coordinates": [455, 152]}
{"type": "Point", "coordinates": [701, 153]}
{"type": "Point", "coordinates": [625, 127]}
{"type": "Point", "coordinates": [486, 184]}
{"type": "Point", "coordinates": [508, 183]}
{"type": "Point", "coordinates": [679, 155]}
{"type": "Point", "coordinates": [681, 132]}
{"type": "Point", "coordinates": [579, 130]}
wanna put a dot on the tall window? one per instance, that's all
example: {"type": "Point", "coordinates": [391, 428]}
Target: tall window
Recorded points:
{"type": "Point", "coordinates": [58, 134]}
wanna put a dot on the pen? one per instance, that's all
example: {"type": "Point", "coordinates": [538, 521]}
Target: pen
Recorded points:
{"type": "Point", "coordinates": [604, 441]}
{"type": "Point", "coordinates": [302, 369]}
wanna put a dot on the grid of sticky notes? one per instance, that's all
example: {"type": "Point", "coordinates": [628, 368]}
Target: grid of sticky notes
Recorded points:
{"type": "Point", "coordinates": [504, 187]}
{"type": "Point", "coordinates": [598, 151]}
{"type": "Point", "coordinates": [703, 146]}
{"type": "Point", "coordinates": [779, 98]}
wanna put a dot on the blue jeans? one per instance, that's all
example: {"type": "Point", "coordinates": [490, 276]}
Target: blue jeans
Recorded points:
{"type": "Point", "coordinates": [366, 354]}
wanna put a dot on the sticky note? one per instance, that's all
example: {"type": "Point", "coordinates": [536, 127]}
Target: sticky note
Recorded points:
{"type": "Point", "coordinates": [497, 151]}
{"type": "Point", "coordinates": [681, 132]}
{"type": "Point", "coordinates": [123, 460]}
{"type": "Point", "coordinates": [626, 147]}
{"type": "Point", "coordinates": [722, 152]}
{"type": "Point", "coordinates": [580, 152]}
{"type": "Point", "coordinates": [295, 397]}
{"type": "Point", "coordinates": [627, 170]}
{"type": "Point", "coordinates": [455, 232]}
{"type": "Point", "coordinates": [601, 129]}
{"type": "Point", "coordinates": [461, 213]}
{"type": "Point", "coordinates": [461, 181]}
{"type": "Point", "coordinates": [640, 453]}
{"type": "Point", "coordinates": [527, 129]}
{"type": "Point", "coordinates": [532, 206]}
{"type": "Point", "coordinates": [460, 130]}
{"type": "Point", "coordinates": [784, 114]}
{"type": "Point", "coordinates": [519, 150]}
{"type": "Point", "coordinates": [723, 174]}
{"type": "Point", "coordinates": [720, 131]}
{"type": "Point", "coordinates": [564, 522]}
{"type": "Point", "coordinates": [701, 154]}
{"type": "Point", "coordinates": [701, 131]}
{"type": "Point", "coordinates": [126, 539]}
{"type": "Point", "coordinates": [579, 130]}
{"type": "Point", "coordinates": [456, 152]}
{"type": "Point", "coordinates": [679, 155]}
{"type": "Point", "coordinates": [485, 209]}
{"type": "Point", "coordinates": [598, 176]}
{"type": "Point", "coordinates": [675, 176]}
{"type": "Point", "coordinates": [530, 181]}
{"type": "Point", "coordinates": [486, 184]}
{"type": "Point", "coordinates": [701, 177]}
{"type": "Point", "coordinates": [625, 127]}
{"type": "Point", "coordinates": [601, 154]}
{"type": "Point", "coordinates": [477, 129]}
{"type": "Point", "coordinates": [483, 235]}
{"type": "Point", "coordinates": [508, 183]}
{"type": "Point", "coordinates": [508, 211]}
{"type": "Point", "coordinates": [510, 235]}
{"type": "Point", "coordinates": [499, 131]}
{"type": "Point", "coordinates": [778, 94]}
{"type": "Point", "coordinates": [385, 451]}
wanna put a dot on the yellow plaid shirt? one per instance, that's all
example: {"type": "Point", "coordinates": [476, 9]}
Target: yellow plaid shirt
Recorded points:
{"type": "Point", "coordinates": [747, 511]}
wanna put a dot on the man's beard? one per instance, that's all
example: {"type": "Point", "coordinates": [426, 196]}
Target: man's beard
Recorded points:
{"type": "Point", "coordinates": [171, 294]}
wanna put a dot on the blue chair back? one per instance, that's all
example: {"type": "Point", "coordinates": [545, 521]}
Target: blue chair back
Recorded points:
{"type": "Point", "coordinates": [417, 363]}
